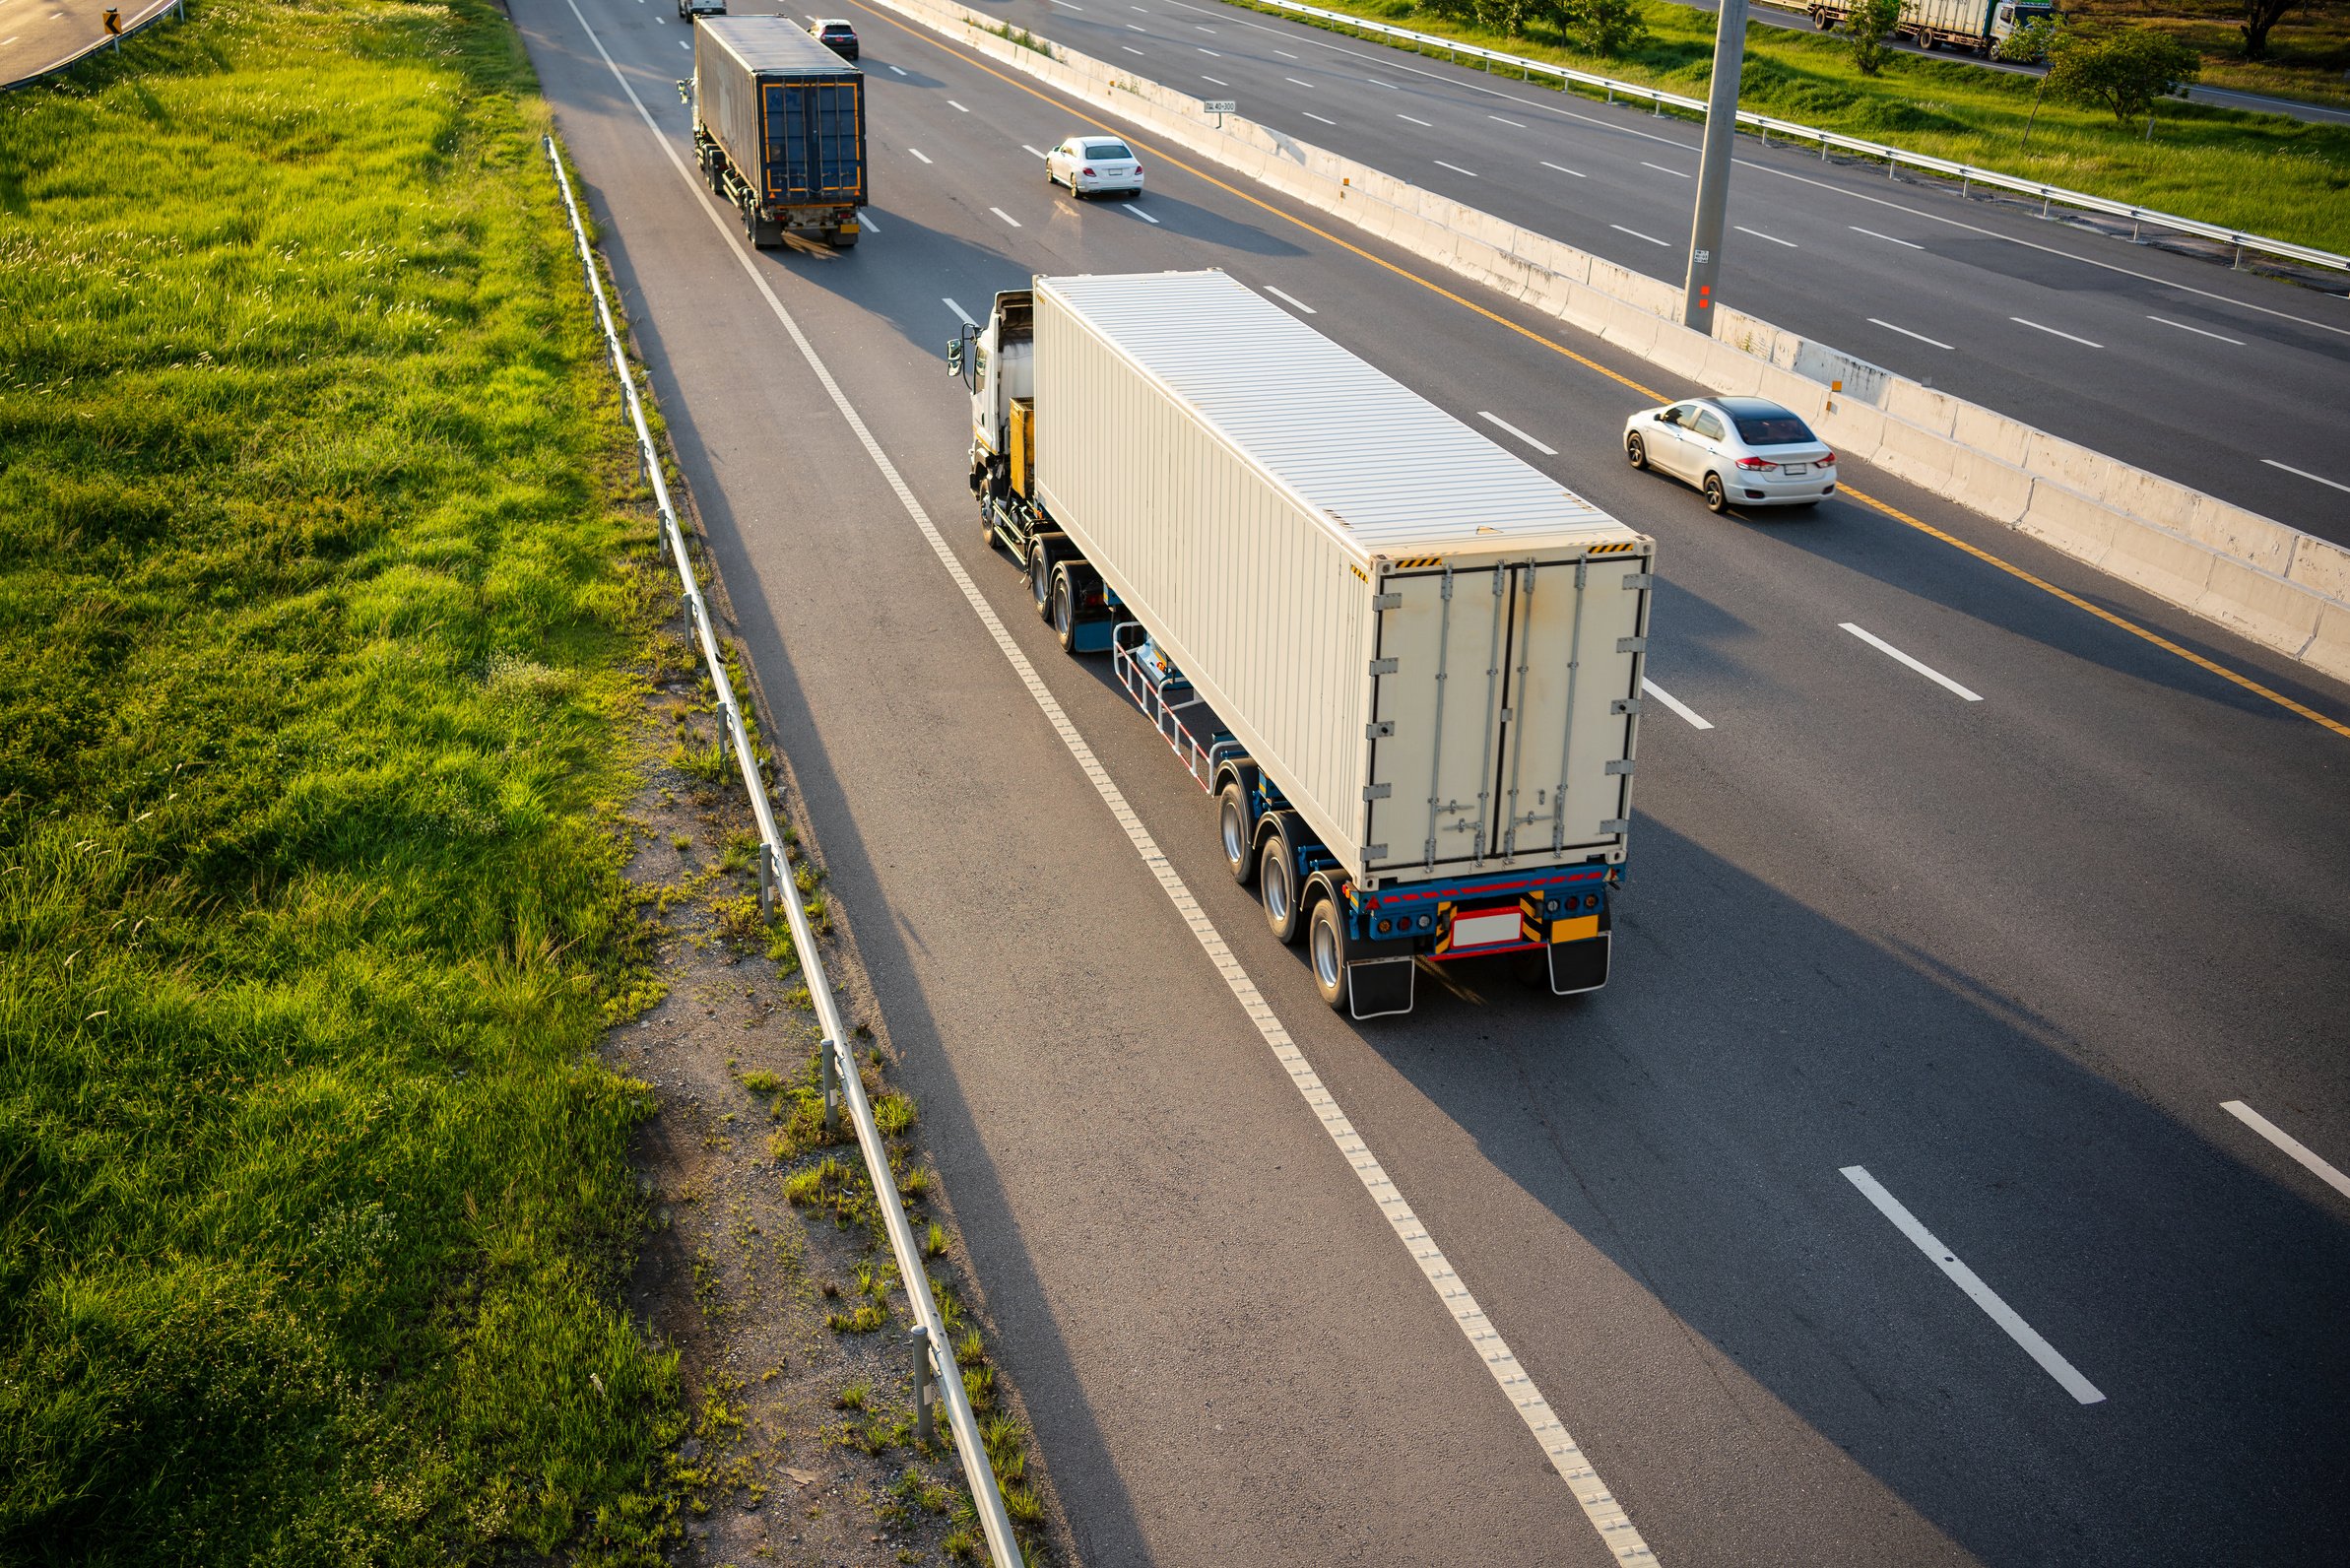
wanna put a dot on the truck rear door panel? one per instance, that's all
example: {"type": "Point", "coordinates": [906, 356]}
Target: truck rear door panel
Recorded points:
{"type": "Point", "coordinates": [816, 141]}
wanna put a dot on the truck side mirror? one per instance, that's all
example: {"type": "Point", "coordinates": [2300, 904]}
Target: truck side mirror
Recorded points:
{"type": "Point", "coordinates": [686, 94]}
{"type": "Point", "coordinates": [954, 359]}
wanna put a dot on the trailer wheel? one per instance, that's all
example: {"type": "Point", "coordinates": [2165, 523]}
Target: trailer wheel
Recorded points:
{"type": "Point", "coordinates": [1277, 885]}
{"type": "Point", "coordinates": [1064, 610]}
{"type": "Point", "coordinates": [1325, 944]}
{"type": "Point", "coordinates": [1232, 833]}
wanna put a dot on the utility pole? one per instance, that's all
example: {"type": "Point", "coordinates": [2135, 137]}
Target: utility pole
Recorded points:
{"type": "Point", "coordinates": [1713, 169]}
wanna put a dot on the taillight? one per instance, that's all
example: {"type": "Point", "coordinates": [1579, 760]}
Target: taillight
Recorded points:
{"type": "Point", "coordinates": [1828, 461]}
{"type": "Point", "coordinates": [1088, 172]}
{"type": "Point", "coordinates": [1755, 463]}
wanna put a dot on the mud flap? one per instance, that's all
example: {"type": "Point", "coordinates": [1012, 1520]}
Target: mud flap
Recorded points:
{"type": "Point", "coordinates": [1379, 988]}
{"type": "Point", "coordinates": [1578, 966]}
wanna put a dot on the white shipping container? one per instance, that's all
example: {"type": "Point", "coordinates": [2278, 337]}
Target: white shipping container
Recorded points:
{"type": "Point", "coordinates": [1433, 649]}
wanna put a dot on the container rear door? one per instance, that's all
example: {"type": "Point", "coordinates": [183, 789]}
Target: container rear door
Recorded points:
{"type": "Point", "coordinates": [815, 139]}
{"type": "Point", "coordinates": [1563, 770]}
{"type": "Point", "coordinates": [1436, 718]}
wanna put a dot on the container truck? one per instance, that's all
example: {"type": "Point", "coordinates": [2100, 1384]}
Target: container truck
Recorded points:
{"type": "Point", "coordinates": [778, 127]}
{"type": "Point", "coordinates": [1976, 25]}
{"type": "Point", "coordinates": [1404, 664]}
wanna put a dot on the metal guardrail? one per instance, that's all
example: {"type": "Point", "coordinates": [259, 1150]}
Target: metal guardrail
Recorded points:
{"type": "Point", "coordinates": [936, 1378]}
{"type": "Point", "coordinates": [160, 9]}
{"type": "Point", "coordinates": [1895, 158]}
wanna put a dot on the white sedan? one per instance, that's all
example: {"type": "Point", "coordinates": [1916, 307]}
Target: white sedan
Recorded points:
{"type": "Point", "coordinates": [1740, 451]}
{"type": "Point", "coordinates": [1091, 164]}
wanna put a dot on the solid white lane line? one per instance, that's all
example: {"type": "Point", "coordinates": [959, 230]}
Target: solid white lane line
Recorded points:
{"type": "Point", "coordinates": [960, 311]}
{"type": "Point", "coordinates": [1887, 238]}
{"type": "Point", "coordinates": [1983, 1295]}
{"type": "Point", "coordinates": [2054, 333]}
{"type": "Point", "coordinates": [1289, 299]}
{"type": "Point", "coordinates": [1430, 124]}
{"type": "Point", "coordinates": [1562, 168]}
{"type": "Point", "coordinates": [1138, 213]}
{"type": "Point", "coordinates": [2293, 1147]}
{"type": "Point", "coordinates": [1311, 115]}
{"type": "Point", "coordinates": [918, 152]}
{"type": "Point", "coordinates": [1599, 1507]}
{"type": "Point", "coordinates": [1892, 653]}
{"type": "Point", "coordinates": [1217, 80]}
{"type": "Point", "coordinates": [1495, 419]}
{"type": "Point", "coordinates": [1907, 332]}
{"type": "Point", "coordinates": [1661, 170]}
{"type": "Point", "coordinates": [2303, 472]}
{"type": "Point", "coordinates": [951, 104]}
{"type": "Point", "coordinates": [1521, 124]}
{"type": "Point", "coordinates": [1675, 704]}
{"type": "Point", "coordinates": [1455, 168]}
{"type": "Point", "coordinates": [1007, 216]}
{"type": "Point", "coordinates": [1295, 81]}
{"type": "Point", "coordinates": [2197, 331]}
{"type": "Point", "coordinates": [1773, 239]}
{"type": "Point", "coordinates": [1637, 235]}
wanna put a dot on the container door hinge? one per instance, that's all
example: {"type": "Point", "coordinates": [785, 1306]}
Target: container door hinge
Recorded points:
{"type": "Point", "coordinates": [1379, 729]}
{"type": "Point", "coordinates": [1374, 852]}
{"type": "Point", "coordinates": [1387, 602]}
{"type": "Point", "coordinates": [1636, 580]}
{"type": "Point", "coordinates": [1631, 644]}
{"type": "Point", "coordinates": [1621, 769]}
{"type": "Point", "coordinates": [1615, 824]}
{"type": "Point", "coordinates": [1382, 667]}
{"type": "Point", "coordinates": [1625, 705]}
{"type": "Point", "coordinates": [1376, 792]}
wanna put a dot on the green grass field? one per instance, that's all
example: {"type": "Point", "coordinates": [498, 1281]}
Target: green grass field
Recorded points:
{"type": "Point", "coordinates": [2257, 172]}
{"type": "Point", "coordinates": [319, 595]}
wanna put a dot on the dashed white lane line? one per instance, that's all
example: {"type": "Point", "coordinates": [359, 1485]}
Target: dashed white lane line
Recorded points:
{"type": "Point", "coordinates": [1030, 150]}
{"type": "Point", "coordinates": [1606, 1516]}
{"type": "Point", "coordinates": [1983, 1295]}
{"type": "Point", "coordinates": [1311, 115]}
{"type": "Point", "coordinates": [1675, 704]}
{"type": "Point", "coordinates": [919, 153]}
{"type": "Point", "coordinates": [1773, 239]}
{"type": "Point", "coordinates": [1907, 332]}
{"type": "Point", "coordinates": [1130, 51]}
{"type": "Point", "coordinates": [2303, 472]}
{"type": "Point", "coordinates": [2295, 1149]}
{"type": "Point", "coordinates": [1661, 170]}
{"type": "Point", "coordinates": [1295, 81]}
{"type": "Point", "coordinates": [1066, 6]}
{"type": "Point", "coordinates": [1284, 54]}
{"type": "Point", "coordinates": [1887, 238]}
{"type": "Point", "coordinates": [865, 220]}
{"type": "Point", "coordinates": [951, 104]}
{"type": "Point", "coordinates": [1430, 124]}
{"type": "Point", "coordinates": [1497, 421]}
{"type": "Point", "coordinates": [960, 311]}
{"type": "Point", "coordinates": [1390, 85]}
{"type": "Point", "coordinates": [1290, 299]}
{"type": "Point", "coordinates": [2054, 333]}
{"type": "Point", "coordinates": [1210, 54]}
{"type": "Point", "coordinates": [2197, 331]}
{"type": "Point", "coordinates": [1520, 124]}
{"type": "Point", "coordinates": [1637, 235]}
{"type": "Point", "coordinates": [1136, 26]}
{"type": "Point", "coordinates": [1007, 216]}
{"type": "Point", "coordinates": [686, 44]}
{"type": "Point", "coordinates": [1138, 213]}
{"type": "Point", "coordinates": [1217, 80]}
{"type": "Point", "coordinates": [1455, 168]}
{"type": "Point", "coordinates": [1895, 654]}
{"type": "Point", "coordinates": [1562, 168]}
{"type": "Point", "coordinates": [899, 69]}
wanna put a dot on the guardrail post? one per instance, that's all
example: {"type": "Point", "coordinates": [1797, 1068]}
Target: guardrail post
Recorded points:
{"type": "Point", "coordinates": [831, 1085]}
{"type": "Point", "coordinates": [926, 1388]}
{"type": "Point", "coordinates": [769, 873]}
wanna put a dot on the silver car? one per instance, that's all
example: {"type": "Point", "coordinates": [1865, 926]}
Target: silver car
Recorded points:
{"type": "Point", "coordinates": [1740, 451]}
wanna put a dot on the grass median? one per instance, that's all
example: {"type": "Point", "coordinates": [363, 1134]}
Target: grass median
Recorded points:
{"type": "Point", "coordinates": [2257, 172]}
{"type": "Point", "coordinates": [320, 594]}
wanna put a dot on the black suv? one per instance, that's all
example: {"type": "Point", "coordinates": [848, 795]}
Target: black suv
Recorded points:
{"type": "Point", "coordinates": [836, 35]}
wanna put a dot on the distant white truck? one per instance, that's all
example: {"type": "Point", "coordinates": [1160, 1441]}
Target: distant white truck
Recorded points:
{"type": "Point", "coordinates": [1405, 663]}
{"type": "Point", "coordinates": [1972, 25]}
{"type": "Point", "coordinates": [688, 10]}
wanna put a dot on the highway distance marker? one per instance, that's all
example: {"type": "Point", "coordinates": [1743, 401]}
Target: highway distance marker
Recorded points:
{"type": "Point", "coordinates": [2293, 1147]}
{"type": "Point", "coordinates": [1983, 1295]}
{"type": "Point", "coordinates": [1892, 653]}
{"type": "Point", "coordinates": [1606, 1514]}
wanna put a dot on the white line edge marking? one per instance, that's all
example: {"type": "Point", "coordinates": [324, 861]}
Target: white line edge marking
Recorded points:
{"type": "Point", "coordinates": [2303, 472]}
{"type": "Point", "coordinates": [960, 311]}
{"type": "Point", "coordinates": [918, 152]}
{"type": "Point", "coordinates": [1773, 239]}
{"type": "Point", "coordinates": [2293, 1147]}
{"type": "Point", "coordinates": [1497, 419]}
{"type": "Point", "coordinates": [2197, 331]}
{"type": "Point", "coordinates": [1892, 653]}
{"type": "Point", "coordinates": [1455, 168]}
{"type": "Point", "coordinates": [1887, 238]}
{"type": "Point", "coordinates": [1291, 299]}
{"type": "Point", "coordinates": [1661, 170]}
{"type": "Point", "coordinates": [2054, 333]}
{"type": "Point", "coordinates": [1138, 213]}
{"type": "Point", "coordinates": [1907, 332]}
{"type": "Point", "coordinates": [1599, 1507]}
{"type": "Point", "coordinates": [1562, 168]}
{"type": "Point", "coordinates": [1983, 1295]}
{"type": "Point", "coordinates": [1637, 235]}
{"type": "Point", "coordinates": [1007, 216]}
{"type": "Point", "coordinates": [1675, 704]}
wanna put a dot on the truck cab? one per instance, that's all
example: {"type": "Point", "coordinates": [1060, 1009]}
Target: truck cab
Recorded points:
{"type": "Point", "coordinates": [688, 10]}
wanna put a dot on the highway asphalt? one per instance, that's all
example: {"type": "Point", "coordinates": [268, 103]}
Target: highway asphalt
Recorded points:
{"type": "Point", "coordinates": [2172, 363]}
{"type": "Point", "coordinates": [38, 36]}
{"type": "Point", "coordinates": [2003, 961]}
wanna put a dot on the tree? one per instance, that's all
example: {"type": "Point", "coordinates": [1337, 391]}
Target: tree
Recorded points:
{"type": "Point", "coordinates": [1870, 23]}
{"type": "Point", "coordinates": [2124, 70]}
{"type": "Point", "coordinates": [2031, 44]}
{"type": "Point", "coordinates": [2259, 17]}
{"type": "Point", "coordinates": [1604, 27]}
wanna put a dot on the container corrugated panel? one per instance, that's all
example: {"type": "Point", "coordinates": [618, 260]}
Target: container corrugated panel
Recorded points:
{"type": "Point", "coordinates": [1250, 489]}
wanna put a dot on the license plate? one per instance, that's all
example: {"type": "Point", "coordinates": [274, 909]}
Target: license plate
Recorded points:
{"type": "Point", "coordinates": [1483, 931]}
{"type": "Point", "coordinates": [1792, 469]}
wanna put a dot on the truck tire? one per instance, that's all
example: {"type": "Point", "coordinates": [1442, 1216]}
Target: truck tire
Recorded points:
{"type": "Point", "coordinates": [1064, 610]}
{"type": "Point", "coordinates": [839, 241]}
{"type": "Point", "coordinates": [1276, 886]}
{"type": "Point", "coordinates": [1325, 951]}
{"type": "Point", "coordinates": [1232, 833]}
{"type": "Point", "coordinates": [1040, 580]}
{"type": "Point", "coordinates": [1636, 450]}
{"type": "Point", "coordinates": [1717, 499]}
